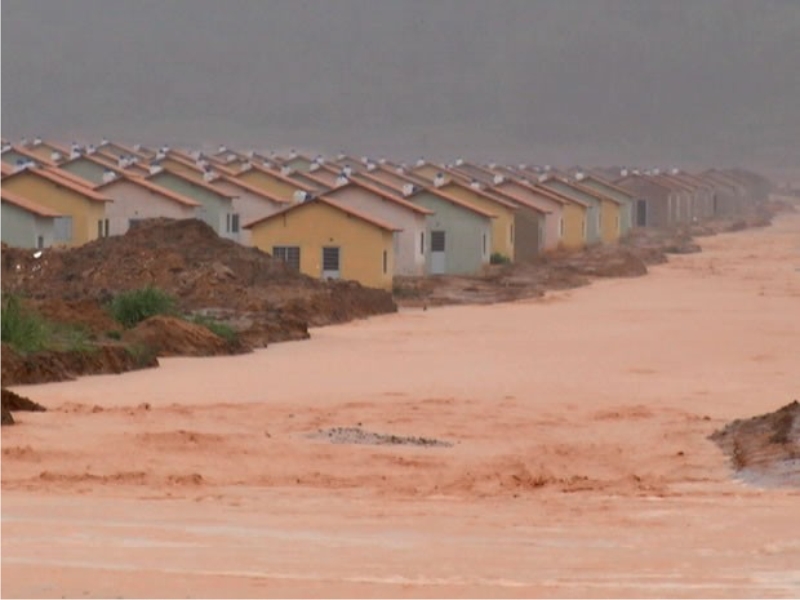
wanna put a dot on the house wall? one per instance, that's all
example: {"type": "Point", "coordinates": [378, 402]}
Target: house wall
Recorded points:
{"type": "Point", "coordinates": [214, 209]}
{"type": "Point", "coordinates": [656, 198]}
{"type": "Point", "coordinates": [22, 229]}
{"type": "Point", "coordinates": [464, 235]}
{"type": "Point", "coordinates": [502, 225]}
{"type": "Point", "coordinates": [626, 209]}
{"type": "Point", "coordinates": [594, 215]}
{"type": "Point", "coordinates": [361, 245]}
{"type": "Point", "coordinates": [132, 201]}
{"type": "Point", "coordinates": [85, 213]}
{"type": "Point", "coordinates": [552, 218]}
{"type": "Point", "coordinates": [248, 206]}
{"type": "Point", "coordinates": [409, 259]}
{"type": "Point", "coordinates": [611, 224]}
{"type": "Point", "coordinates": [574, 237]}
{"type": "Point", "coordinates": [85, 169]}
{"type": "Point", "coordinates": [528, 233]}
{"type": "Point", "coordinates": [271, 185]}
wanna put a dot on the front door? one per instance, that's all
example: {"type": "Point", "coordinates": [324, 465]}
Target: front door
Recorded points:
{"type": "Point", "coordinates": [641, 213]}
{"type": "Point", "coordinates": [330, 262]}
{"type": "Point", "coordinates": [437, 252]}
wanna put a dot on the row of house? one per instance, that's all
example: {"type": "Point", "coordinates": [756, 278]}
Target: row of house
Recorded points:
{"type": "Point", "coordinates": [351, 218]}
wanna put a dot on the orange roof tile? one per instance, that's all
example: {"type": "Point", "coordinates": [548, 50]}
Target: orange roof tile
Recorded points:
{"type": "Point", "coordinates": [252, 189]}
{"type": "Point", "coordinates": [157, 189]}
{"type": "Point", "coordinates": [329, 202]}
{"type": "Point", "coordinates": [53, 175]}
{"type": "Point", "coordinates": [202, 184]}
{"type": "Point", "coordinates": [382, 194]}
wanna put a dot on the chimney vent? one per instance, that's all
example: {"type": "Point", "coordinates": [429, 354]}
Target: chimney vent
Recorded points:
{"type": "Point", "coordinates": [439, 180]}
{"type": "Point", "coordinates": [109, 176]}
{"type": "Point", "coordinates": [408, 189]}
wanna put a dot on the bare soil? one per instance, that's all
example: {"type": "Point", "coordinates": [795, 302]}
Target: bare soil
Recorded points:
{"type": "Point", "coordinates": [12, 402]}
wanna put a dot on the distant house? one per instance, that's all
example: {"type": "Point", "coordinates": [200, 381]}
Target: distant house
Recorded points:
{"type": "Point", "coordinates": [595, 212]}
{"type": "Point", "coordinates": [654, 201]}
{"type": "Point", "coordinates": [249, 202]}
{"type": "Point", "coordinates": [408, 219]}
{"type": "Point", "coordinates": [82, 211]}
{"type": "Point", "coordinates": [136, 199]}
{"type": "Point", "coordinates": [504, 211]}
{"type": "Point", "coordinates": [216, 207]}
{"type": "Point", "coordinates": [296, 162]}
{"type": "Point", "coordinates": [552, 210]}
{"type": "Point", "coordinates": [732, 196]}
{"type": "Point", "coordinates": [459, 234]}
{"type": "Point", "coordinates": [575, 217]}
{"type": "Point", "coordinates": [607, 188]}
{"type": "Point", "coordinates": [325, 239]}
{"type": "Point", "coordinates": [24, 223]}
{"type": "Point", "coordinates": [18, 156]}
{"type": "Point", "coordinates": [48, 152]}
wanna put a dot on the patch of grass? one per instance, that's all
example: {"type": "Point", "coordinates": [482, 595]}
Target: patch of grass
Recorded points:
{"type": "Point", "coordinates": [70, 338]}
{"type": "Point", "coordinates": [499, 259]}
{"type": "Point", "coordinates": [143, 355]}
{"type": "Point", "coordinates": [23, 329]}
{"type": "Point", "coordinates": [131, 308]}
{"type": "Point", "coordinates": [114, 334]}
{"type": "Point", "coordinates": [223, 330]}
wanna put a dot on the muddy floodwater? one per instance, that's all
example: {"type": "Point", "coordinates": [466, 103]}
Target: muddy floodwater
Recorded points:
{"type": "Point", "coordinates": [551, 447]}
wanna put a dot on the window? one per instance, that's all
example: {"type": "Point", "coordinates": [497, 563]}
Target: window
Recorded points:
{"type": "Point", "coordinates": [107, 227]}
{"type": "Point", "coordinates": [227, 222]}
{"type": "Point", "coordinates": [62, 227]}
{"type": "Point", "coordinates": [330, 262]}
{"type": "Point", "coordinates": [235, 223]}
{"type": "Point", "coordinates": [288, 254]}
{"type": "Point", "coordinates": [422, 243]}
{"type": "Point", "coordinates": [437, 241]}
{"type": "Point", "coordinates": [385, 261]}
{"type": "Point", "coordinates": [40, 242]}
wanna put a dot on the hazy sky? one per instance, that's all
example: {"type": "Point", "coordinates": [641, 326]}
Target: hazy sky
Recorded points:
{"type": "Point", "coordinates": [561, 81]}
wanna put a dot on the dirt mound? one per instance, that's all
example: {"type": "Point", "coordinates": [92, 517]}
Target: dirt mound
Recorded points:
{"type": "Point", "coordinates": [765, 449]}
{"type": "Point", "coordinates": [605, 261]}
{"type": "Point", "coordinates": [170, 336]}
{"type": "Point", "coordinates": [653, 245]}
{"type": "Point", "coordinates": [356, 435]}
{"type": "Point", "coordinates": [12, 402]}
{"type": "Point", "coordinates": [51, 365]}
{"type": "Point", "coordinates": [257, 294]}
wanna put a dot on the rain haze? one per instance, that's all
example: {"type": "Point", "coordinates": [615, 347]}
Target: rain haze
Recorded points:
{"type": "Point", "coordinates": [603, 82]}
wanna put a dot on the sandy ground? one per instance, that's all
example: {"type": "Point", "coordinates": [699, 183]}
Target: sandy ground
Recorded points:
{"type": "Point", "coordinates": [579, 465]}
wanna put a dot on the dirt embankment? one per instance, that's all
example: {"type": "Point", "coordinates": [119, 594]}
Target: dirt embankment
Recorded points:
{"type": "Point", "coordinates": [243, 289]}
{"type": "Point", "coordinates": [12, 402]}
{"type": "Point", "coordinates": [765, 449]}
{"type": "Point", "coordinates": [560, 270]}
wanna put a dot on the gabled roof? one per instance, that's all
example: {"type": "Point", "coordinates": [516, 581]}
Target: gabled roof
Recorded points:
{"type": "Point", "coordinates": [28, 205]}
{"type": "Point", "coordinates": [30, 155]}
{"type": "Point", "coordinates": [201, 184]}
{"type": "Point", "coordinates": [428, 189]}
{"type": "Point", "coordinates": [243, 185]}
{"type": "Point", "coordinates": [277, 175]}
{"type": "Point", "coordinates": [481, 192]}
{"type": "Point", "coordinates": [152, 187]}
{"type": "Point", "coordinates": [382, 194]}
{"type": "Point", "coordinates": [329, 202]}
{"type": "Point", "coordinates": [578, 187]}
{"type": "Point", "coordinates": [53, 175]}
{"type": "Point", "coordinates": [644, 178]}
{"type": "Point", "coordinates": [607, 184]}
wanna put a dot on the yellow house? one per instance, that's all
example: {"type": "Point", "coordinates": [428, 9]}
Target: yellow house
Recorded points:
{"type": "Point", "coordinates": [610, 214]}
{"type": "Point", "coordinates": [324, 239]}
{"type": "Point", "coordinates": [83, 210]}
{"type": "Point", "coordinates": [574, 219]}
{"type": "Point", "coordinates": [275, 184]}
{"type": "Point", "coordinates": [502, 224]}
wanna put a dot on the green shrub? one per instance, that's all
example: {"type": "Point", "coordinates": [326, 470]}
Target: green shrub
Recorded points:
{"type": "Point", "coordinates": [114, 334]}
{"type": "Point", "coordinates": [131, 308]}
{"type": "Point", "coordinates": [223, 330]}
{"type": "Point", "coordinates": [143, 355]}
{"type": "Point", "coordinates": [24, 330]}
{"type": "Point", "coordinates": [69, 337]}
{"type": "Point", "coordinates": [499, 259]}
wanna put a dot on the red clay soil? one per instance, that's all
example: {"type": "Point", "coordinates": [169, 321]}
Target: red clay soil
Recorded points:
{"type": "Point", "coordinates": [170, 336]}
{"type": "Point", "coordinates": [765, 449]}
{"type": "Point", "coordinates": [51, 365]}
